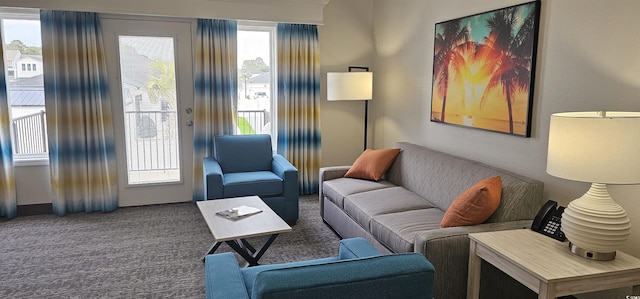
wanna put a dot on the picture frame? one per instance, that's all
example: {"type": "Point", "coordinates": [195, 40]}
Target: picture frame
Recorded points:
{"type": "Point", "coordinates": [484, 69]}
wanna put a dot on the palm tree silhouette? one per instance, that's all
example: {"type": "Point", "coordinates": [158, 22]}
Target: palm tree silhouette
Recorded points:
{"type": "Point", "coordinates": [510, 55]}
{"type": "Point", "coordinates": [447, 56]}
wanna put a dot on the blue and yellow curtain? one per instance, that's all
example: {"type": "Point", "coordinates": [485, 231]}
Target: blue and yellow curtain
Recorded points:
{"type": "Point", "coordinates": [216, 90]}
{"type": "Point", "coordinates": [8, 204]}
{"type": "Point", "coordinates": [299, 101]}
{"type": "Point", "coordinates": [79, 120]}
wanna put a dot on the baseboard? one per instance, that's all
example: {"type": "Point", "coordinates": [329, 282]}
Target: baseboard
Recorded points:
{"type": "Point", "coordinates": [35, 209]}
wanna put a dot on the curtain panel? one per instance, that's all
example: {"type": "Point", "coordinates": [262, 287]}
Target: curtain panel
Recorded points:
{"type": "Point", "coordinates": [299, 101]}
{"type": "Point", "coordinates": [79, 121]}
{"type": "Point", "coordinates": [216, 90]}
{"type": "Point", "coordinates": [8, 203]}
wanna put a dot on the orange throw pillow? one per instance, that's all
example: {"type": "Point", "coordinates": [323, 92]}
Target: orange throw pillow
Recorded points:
{"type": "Point", "coordinates": [474, 205]}
{"type": "Point", "coordinates": [372, 164]}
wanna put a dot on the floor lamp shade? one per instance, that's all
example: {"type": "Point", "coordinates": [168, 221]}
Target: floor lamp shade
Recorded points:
{"type": "Point", "coordinates": [599, 148]}
{"type": "Point", "coordinates": [352, 86]}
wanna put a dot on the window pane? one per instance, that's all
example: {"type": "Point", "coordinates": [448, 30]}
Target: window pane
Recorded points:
{"type": "Point", "coordinates": [25, 87]}
{"type": "Point", "coordinates": [149, 100]}
{"type": "Point", "coordinates": [254, 82]}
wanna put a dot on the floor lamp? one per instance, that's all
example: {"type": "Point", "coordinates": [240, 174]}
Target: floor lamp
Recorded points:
{"type": "Point", "coordinates": [352, 86]}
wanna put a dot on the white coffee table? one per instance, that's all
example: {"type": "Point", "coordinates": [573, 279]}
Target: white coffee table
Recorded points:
{"type": "Point", "coordinates": [236, 232]}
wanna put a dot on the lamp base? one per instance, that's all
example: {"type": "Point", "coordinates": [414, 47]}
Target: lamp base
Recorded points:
{"type": "Point", "coordinates": [592, 255]}
{"type": "Point", "coordinates": [595, 225]}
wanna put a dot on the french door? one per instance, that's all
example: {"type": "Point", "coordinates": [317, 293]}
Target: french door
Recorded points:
{"type": "Point", "coordinates": [151, 84]}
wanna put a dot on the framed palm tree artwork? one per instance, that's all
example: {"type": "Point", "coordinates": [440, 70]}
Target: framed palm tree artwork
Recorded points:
{"type": "Point", "coordinates": [484, 67]}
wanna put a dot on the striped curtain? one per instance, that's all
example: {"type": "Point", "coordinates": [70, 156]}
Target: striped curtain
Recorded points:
{"type": "Point", "coordinates": [299, 101]}
{"type": "Point", "coordinates": [216, 90]}
{"type": "Point", "coordinates": [8, 204]}
{"type": "Point", "coordinates": [79, 120]}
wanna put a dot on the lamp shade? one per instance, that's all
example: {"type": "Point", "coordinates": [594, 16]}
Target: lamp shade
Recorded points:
{"type": "Point", "coordinates": [595, 147]}
{"type": "Point", "coordinates": [351, 86]}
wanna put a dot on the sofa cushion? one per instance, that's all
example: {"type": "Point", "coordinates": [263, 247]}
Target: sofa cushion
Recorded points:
{"type": "Point", "coordinates": [251, 183]}
{"type": "Point", "coordinates": [397, 231]}
{"type": "Point", "coordinates": [474, 205]}
{"type": "Point", "coordinates": [337, 189]}
{"type": "Point", "coordinates": [362, 207]}
{"type": "Point", "coordinates": [372, 164]}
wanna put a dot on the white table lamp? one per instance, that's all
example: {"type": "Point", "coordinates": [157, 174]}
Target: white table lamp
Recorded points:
{"type": "Point", "coordinates": [600, 148]}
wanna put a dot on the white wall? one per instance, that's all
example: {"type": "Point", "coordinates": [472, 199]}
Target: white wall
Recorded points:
{"type": "Point", "coordinates": [345, 40]}
{"type": "Point", "coordinates": [587, 60]}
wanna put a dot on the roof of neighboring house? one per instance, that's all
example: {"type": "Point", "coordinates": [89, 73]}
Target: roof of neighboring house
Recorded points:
{"type": "Point", "coordinates": [11, 54]}
{"type": "Point", "coordinates": [135, 71]}
{"type": "Point", "coordinates": [35, 81]}
{"type": "Point", "coordinates": [148, 46]}
{"type": "Point", "coordinates": [27, 97]}
{"type": "Point", "coordinates": [27, 91]}
{"type": "Point", "coordinates": [262, 78]}
{"type": "Point", "coordinates": [31, 57]}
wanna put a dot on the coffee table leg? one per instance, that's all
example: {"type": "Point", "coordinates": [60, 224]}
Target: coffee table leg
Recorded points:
{"type": "Point", "coordinates": [245, 252]}
{"type": "Point", "coordinates": [264, 248]}
{"type": "Point", "coordinates": [248, 246]}
{"type": "Point", "coordinates": [213, 249]}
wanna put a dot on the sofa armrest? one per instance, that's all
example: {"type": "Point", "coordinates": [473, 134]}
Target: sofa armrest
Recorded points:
{"type": "Point", "coordinates": [423, 238]}
{"type": "Point", "coordinates": [356, 248]}
{"type": "Point", "coordinates": [212, 174]}
{"type": "Point", "coordinates": [289, 174]}
{"type": "Point", "coordinates": [223, 278]}
{"type": "Point", "coordinates": [333, 172]}
{"type": "Point", "coordinates": [329, 173]}
{"type": "Point", "coordinates": [448, 250]}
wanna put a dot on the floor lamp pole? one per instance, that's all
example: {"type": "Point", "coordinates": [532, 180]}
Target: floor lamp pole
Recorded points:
{"type": "Point", "coordinates": [366, 105]}
{"type": "Point", "coordinates": [366, 121]}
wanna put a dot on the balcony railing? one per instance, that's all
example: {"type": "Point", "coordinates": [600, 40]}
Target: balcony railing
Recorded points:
{"type": "Point", "coordinates": [151, 145]}
{"type": "Point", "coordinates": [152, 141]}
{"type": "Point", "coordinates": [252, 121]}
{"type": "Point", "coordinates": [29, 134]}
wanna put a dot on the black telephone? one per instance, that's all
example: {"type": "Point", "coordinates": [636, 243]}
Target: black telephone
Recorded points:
{"type": "Point", "coordinates": [548, 221]}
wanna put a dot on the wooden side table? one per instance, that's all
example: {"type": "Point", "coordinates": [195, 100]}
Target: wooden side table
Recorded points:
{"type": "Point", "coordinates": [546, 266]}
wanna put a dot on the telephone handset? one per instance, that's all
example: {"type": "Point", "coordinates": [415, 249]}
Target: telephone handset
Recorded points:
{"type": "Point", "coordinates": [548, 221]}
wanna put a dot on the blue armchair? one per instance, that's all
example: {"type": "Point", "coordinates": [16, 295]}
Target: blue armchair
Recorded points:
{"type": "Point", "coordinates": [359, 271]}
{"type": "Point", "coordinates": [244, 165]}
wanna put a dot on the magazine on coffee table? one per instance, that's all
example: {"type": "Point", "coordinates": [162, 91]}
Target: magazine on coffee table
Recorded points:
{"type": "Point", "coordinates": [238, 212]}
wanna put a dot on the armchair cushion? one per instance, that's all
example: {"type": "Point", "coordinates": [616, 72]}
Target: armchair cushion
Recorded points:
{"type": "Point", "coordinates": [251, 183]}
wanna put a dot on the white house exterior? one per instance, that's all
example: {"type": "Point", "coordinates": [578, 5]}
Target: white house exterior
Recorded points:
{"type": "Point", "coordinates": [28, 66]}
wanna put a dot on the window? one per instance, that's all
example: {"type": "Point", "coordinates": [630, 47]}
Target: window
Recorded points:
{"type": "Point", "coordinates": [256, 73]}
{"type": "Point", "coordinates": [25, 86]}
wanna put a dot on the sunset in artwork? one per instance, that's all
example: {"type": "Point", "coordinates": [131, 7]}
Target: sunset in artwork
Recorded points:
{"type": "Point", "coordinates": [483, 70]}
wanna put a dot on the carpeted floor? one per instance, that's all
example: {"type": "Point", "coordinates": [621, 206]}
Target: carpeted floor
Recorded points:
{"type": "Point", "coordinates": [137, 252]}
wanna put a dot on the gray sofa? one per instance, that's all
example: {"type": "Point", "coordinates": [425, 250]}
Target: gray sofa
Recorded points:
{"type": "Point", "coordinates": [402, 213]}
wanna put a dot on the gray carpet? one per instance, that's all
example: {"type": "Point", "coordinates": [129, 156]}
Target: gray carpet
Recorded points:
{"type": "Point", "coordinates": [137, 252]}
